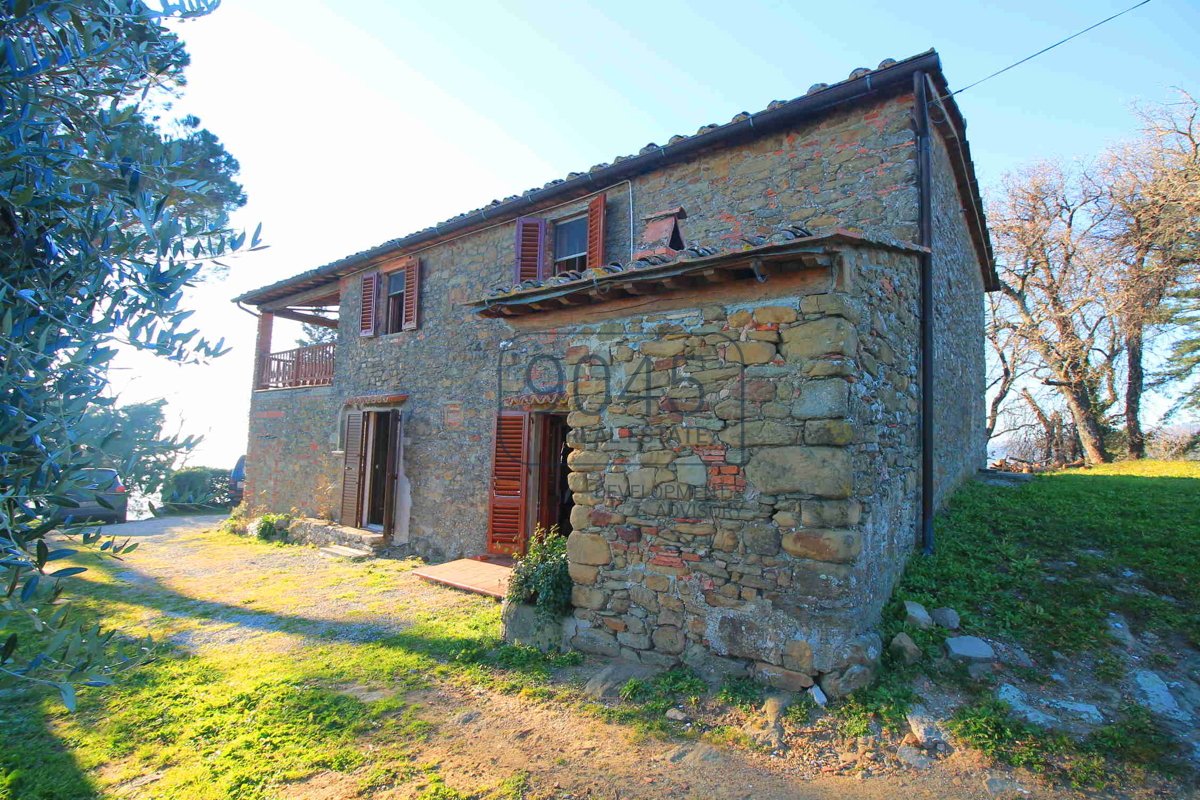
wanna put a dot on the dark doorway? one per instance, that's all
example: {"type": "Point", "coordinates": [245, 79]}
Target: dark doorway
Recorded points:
{"type": "Point", "coordinates": [554, 496]}
{"type": "Point", "coordinates": [380, 456]}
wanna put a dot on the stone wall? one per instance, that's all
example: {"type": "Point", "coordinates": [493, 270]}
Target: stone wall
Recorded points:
{"type": "Point", "coordinates": [745, 459]}
{"type": "Point", "coordinates": [853, 168]}
{"type": "Point", "coordinates": [290, 462]}
{"type": "Point", "coordinates": [741, 488]}
{"type": "Point", "coordinates": [960, 440]}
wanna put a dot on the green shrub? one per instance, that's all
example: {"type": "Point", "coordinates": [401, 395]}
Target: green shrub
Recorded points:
{"type": "Point", "coordinates": [540, 576]}
{"type": "Point", "coordinates": [196, 488]}
{"type": "Point", "coordinates": [238, 521]}
{"type": "Point", "coordinates": [271, 527]}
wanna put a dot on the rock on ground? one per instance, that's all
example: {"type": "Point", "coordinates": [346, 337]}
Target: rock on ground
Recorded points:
{"type": "Point", "coordinates": [1015, 699]}
{"type": "Point", "coordinates": [915, 614]}
{"type": "Point", "coordinates": [913, 757]}
{"type": "Point", "coordinates": [946, 617]}
{"type": "Point", "coordinates": [904, 649]}
{"type": "Point", "coordinates": [1157, 696]}
{"type": "Point", "coordinates": [1085, 712]}
{"type": "Point", "coordinates": [969, 648]}
{"type": "Point", "coordinates": [925, 728]}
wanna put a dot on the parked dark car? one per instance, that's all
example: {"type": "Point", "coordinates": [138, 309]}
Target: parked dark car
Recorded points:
{"type": "Point", "coordinates": [100, 483]}
{"type": "Point", "coordinates": [237, 481]}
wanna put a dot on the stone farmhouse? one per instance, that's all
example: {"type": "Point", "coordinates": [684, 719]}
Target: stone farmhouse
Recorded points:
{"type": "Point", "coordinates": [741, 370]}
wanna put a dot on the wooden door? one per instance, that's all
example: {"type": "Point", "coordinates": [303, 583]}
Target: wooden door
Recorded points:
{"type": "Point", "coordinates": [509, 486]}
{"type": "Point", "coordinates": [355, 448]}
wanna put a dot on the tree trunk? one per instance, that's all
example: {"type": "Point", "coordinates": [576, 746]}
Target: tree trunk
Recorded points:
{"type": "Point", "coordinates": [1134, 382]}
{"type": "Point", "coordinates": [1091, 435]}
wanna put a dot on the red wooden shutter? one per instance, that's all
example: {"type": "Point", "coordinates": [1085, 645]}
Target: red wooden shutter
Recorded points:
{"type": "Point", "coordinates": [531, 248]}
{"type": "Point", "coordinates": [412, 289]}
{"type": "Point", "coordinates": [370, 299]}
{"type": "Point", "coordinates": [352, 474]}
{"type": "Point", "coordinates": [506, 515]}
{"type": "Point", "coordinates": [595, 232]}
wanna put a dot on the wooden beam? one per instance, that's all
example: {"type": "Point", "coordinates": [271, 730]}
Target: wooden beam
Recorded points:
{"type": "Point", "coordinates": [680, 282]}
{"type": "Point", "coordinates": [326, 292]}
{"type": "Point", "coordinates": [311, 319]}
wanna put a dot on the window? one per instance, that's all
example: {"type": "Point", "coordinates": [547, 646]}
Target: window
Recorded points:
{"type": "Point", "coordinates": [570, 245]}
{"type": "Point", "coordinates": [391, 298]}
{"type": "Point", "coordinates": [395, 301]}
{"type": "Point", "coordinates": [577, 243]}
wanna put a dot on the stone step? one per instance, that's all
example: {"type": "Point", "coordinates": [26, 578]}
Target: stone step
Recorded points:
{"type": "Point", "coordinates": [341, 551]}
{"type": "Point", "coordinates": [367, 539]}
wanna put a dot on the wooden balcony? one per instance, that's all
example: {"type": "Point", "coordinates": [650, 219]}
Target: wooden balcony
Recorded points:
{"type": "Point", "coordinates": [304, 366]}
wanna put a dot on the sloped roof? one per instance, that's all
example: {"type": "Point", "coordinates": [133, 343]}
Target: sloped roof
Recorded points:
{"type": "Point", "coordinates": [820, 98]}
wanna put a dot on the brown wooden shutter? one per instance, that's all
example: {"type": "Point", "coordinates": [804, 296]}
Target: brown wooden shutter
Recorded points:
{"type": "Point", "coordinates": [595, 232]}
{"type": "Point", "coordinates": [530, 249]}
{"type": "Point", "coordinates": [352, 474]}
{"type": "Point", "coordinates": [412, 289]}
{"type": "Point", "coordinates": [370, 300]}
{"type": "Point", "coordinates": [392, 471]}
{"type": "Point", "coordinates": [506, 515]}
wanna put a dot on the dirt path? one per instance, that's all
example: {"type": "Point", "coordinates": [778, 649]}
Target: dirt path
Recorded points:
{"type": "Point", "coordinates": [480, 736]}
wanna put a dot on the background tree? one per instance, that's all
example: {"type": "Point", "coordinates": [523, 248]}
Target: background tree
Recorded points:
{"type": "Point", "coordinates": [102, 227]}
{"type": "Point", "coordinates": [315, 334]}
{"type": "Point", "coordinates": [1149, 234]}
{"type": "Point", "coordinates": [1052, 282]}
{"type": "Point", "coordinates": [1096, 263]}
{"type": "Point", "coordinates": [1183, 365]}
{"type": "Point", "coordinates": [137, 447]}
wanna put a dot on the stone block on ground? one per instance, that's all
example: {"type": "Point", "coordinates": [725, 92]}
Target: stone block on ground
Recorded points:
{"type": "Point", "coordinates": [946, 618]}
{"type": "Point", "coordinates": [904, 649]}
{"type": "Point", "coordinates": [915, 614]}
{"type": "Point", "coordinates": [520, 623]}
{"type": "Point", "coordinates": [606, 684]}
{"type": "Point", "coordinates": [1154, 693]}
{"type": "Point", "coordinates": [969, 648]}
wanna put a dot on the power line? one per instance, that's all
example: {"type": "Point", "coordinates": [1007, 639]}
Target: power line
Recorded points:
{"type": "Point", "coordinates": [1046, 49]}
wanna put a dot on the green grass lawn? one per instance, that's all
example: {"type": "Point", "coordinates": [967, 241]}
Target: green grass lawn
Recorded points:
{"type": "Point", "coordinates": [241, 721]}
{"type": "Point", "coordinates": [207, 719]}
{"type": "Point", "coordinates": [1127, 523]}
{"type": "Point", "coordinates": [1093, 533]}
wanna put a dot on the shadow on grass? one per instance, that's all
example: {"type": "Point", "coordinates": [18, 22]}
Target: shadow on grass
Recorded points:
{"type": "Point", "coordinates": [35, 764]}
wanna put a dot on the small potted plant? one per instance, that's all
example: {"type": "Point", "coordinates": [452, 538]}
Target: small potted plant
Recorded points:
{"type": "Point", "coordinates": [539, 593]}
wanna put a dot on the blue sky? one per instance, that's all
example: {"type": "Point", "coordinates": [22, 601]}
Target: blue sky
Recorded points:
{"type": "Point", "coordinates": [356, 122]}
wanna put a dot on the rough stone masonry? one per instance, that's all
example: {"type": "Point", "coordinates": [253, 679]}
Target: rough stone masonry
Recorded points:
{"type": "Point", "coordinates": [744, 457]}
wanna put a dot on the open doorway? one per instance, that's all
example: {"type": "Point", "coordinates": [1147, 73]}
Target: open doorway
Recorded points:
{"type": "Point", "coordinates": [380, 456]}
{"type": "Point", "coordinates": [372, 468]}
{"type": "Point", "coordinates": [554, 500]}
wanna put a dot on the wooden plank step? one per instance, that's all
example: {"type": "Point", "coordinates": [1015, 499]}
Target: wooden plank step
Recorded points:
{"type": "Point", "coordinates": [341, 551]}
{"type": "Point", "coordinates": [470, 575]}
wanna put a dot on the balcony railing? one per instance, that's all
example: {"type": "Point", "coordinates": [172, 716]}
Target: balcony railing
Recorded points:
{"type": "Point", "coordinates": [304, 366]}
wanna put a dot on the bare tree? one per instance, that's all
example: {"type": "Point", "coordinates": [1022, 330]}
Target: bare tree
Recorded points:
{"type": "Point", "coordinates": [1009, 361]}
{"type": "Point", "coordinates": [1052, 279]}
{"type": "Point", "coordinates": [1148, 215]}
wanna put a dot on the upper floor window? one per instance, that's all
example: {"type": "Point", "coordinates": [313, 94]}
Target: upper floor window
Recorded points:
{"type": "Point", "coordinates": [395, 301]}
{"type": "Point", "coordinates": [570, 245]}
{"type": "Point", "coordinates": [545, 248]}
{"type": "Point", "coordinates": [390, 297]}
